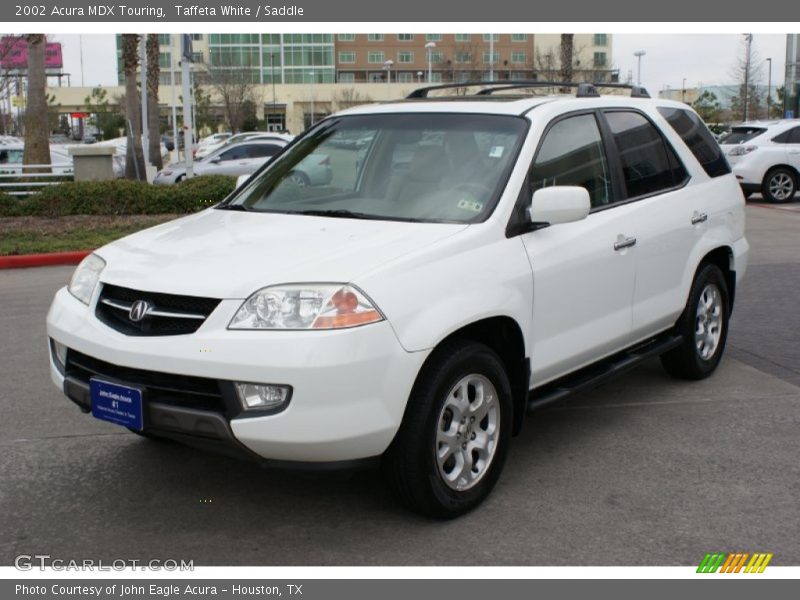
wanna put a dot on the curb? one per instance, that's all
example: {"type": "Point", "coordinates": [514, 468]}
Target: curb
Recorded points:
{"type": "Point", "coordinates": [23, 261]}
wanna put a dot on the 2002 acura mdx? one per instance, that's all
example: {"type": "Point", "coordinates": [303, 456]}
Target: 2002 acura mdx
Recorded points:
{"type": "Point", "coordinates": [473, 258]}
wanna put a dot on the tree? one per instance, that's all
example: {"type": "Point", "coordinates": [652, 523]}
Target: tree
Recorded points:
{"type": "Point", "coordinates": [235, 87]}
{"type": "Point", "coordinates": [134, 157]}
{"type": "Point", "coordinates": [567, 51]}
{"type": "Point", "coordinates": [708, 107]}
{"type": "Point", "coordinates": [37, 143]}
{"type": "Point", "coordinates": [747, 73]}
{"type": "Point", "coordinates": [153, 77]}
{"type": "Point", "coordinates": [776, 104]}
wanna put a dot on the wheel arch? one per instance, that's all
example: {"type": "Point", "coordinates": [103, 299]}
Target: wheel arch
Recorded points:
{"type": "Point", "coordinates": [504, 336]}
{"type": "Point", "coordinates": [722, 257]}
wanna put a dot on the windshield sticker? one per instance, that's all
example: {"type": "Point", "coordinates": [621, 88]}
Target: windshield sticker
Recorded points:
{"type": "Point", "coordinates": [470, 205]}
{"type": "Point", "coordinates": [496, 151]}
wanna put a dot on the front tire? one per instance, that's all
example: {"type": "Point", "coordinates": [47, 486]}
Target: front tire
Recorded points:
{"type": "Point", "coordinates": [703, 326]}
{"type": "Point", "coordinates": [454, 438]}
{"type": "Point", "coordinates": [779, 185]}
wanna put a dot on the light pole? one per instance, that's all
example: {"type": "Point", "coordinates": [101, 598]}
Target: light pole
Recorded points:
{"type": "Point", "coordinates": [683, 91]}
{"type": "Point", "coordinates": [388, 66]}
{"type": "Point", "coordinates": [491, 57]}
{"type": "Point", "coordinates": [769, 88]}
{"type": "Point", "coordinates": [272, 76]}
{"type": "Point", "coordinates": [419, 76]}
{"type": "Point", "coordinates": [639, 54]}
{"type": "Point", "coordinates": [429, 47]}
{"type": "Point", "coordinates": [312, 97]}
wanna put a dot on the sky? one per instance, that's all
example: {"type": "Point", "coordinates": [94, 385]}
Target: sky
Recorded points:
{"type": "Point", "coordinates": [706, 59]}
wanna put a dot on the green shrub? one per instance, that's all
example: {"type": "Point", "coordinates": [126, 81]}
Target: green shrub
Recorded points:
{"type": "Point", "coordinates": [120, 197]}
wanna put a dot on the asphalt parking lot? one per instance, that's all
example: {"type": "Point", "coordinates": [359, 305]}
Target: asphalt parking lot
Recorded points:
{"type": "Point", "coordinates": [643, 471]}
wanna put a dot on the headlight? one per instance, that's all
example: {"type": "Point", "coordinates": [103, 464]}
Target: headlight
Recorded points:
{"type": "Point", "coordinates": [85, 278]}
{"type": "Point", "coordinates": [742, 150]}
{"type": "Point", "coordinates": [306, 306]}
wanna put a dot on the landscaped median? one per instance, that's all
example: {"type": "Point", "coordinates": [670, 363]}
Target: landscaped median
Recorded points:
{"type": "Point", "coordinates": [64, 222]}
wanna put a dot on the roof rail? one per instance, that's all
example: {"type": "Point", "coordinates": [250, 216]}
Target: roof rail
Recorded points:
{"type": "Point", "coordinates": [584, 89]}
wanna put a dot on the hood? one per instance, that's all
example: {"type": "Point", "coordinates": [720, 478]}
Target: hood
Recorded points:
{"type": "Point", "coordinates": [227, 254]}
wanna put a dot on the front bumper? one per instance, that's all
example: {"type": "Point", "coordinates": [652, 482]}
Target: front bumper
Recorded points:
{"type": "Point", "coordinates": [350, 386]}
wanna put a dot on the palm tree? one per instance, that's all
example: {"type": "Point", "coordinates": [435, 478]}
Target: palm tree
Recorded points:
{"type": "Point", "coordinates": [153, 124]}
{"type": "Point", "coordinates": [134, 158]}
{"type": "Point", "coordinates": [37, 143]}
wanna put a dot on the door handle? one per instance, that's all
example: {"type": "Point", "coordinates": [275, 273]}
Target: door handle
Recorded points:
{"type": "Point", "coordinates": [699, 217]}
{"type": "Point", "coordinates": [624, 242]}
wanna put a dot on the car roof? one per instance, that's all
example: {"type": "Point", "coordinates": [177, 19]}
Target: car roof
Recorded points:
{"type": "Point", "coordinates": [774, 123]}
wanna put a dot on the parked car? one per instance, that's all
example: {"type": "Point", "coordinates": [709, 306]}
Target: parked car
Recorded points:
{"type": "Point", "coordinates": [239, 159]}
{"type": "Point", "coordinates": [476, 260]}
{"type": "Point", "coordinates": [245, 159]}
{"type": "Point", "coordinates": [765, 156]}
{"type": "Point", "coordinates": [210, 143]}
{"type": "Point", "coordinates": [11, 158]}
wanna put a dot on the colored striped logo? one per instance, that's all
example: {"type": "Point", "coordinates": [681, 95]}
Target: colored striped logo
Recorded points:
{"type": "Point", "coordinates": [734, 562]}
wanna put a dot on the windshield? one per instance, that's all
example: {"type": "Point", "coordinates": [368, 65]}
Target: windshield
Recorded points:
{"type": "Point", "coordinates": [411, 167]}
{"type": "Point", "coordinates": [740, 135]}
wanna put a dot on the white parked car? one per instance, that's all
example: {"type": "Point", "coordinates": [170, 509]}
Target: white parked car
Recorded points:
{"type": "Point", "coordinates": [468, 262]}
{"type": "Point", "coordinates": [235, 160]}
{"type": "Point", "coordinates": [11, 158]}
{"type": "Point", "coordinates": [765, 156]}
{"type": "Point", "coordinates": [208, 144]}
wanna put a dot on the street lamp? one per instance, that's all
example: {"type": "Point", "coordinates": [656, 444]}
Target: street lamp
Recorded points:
{"type": "Point", "coordinates": [749, 40]}
{"type": "Point", "coordinates": [429, 47]}
{"type": "Point", "coordinates": [419, 76]}
{"type": "Point", "coordinates": [388, 66]}
{"type": "Point", "coordinates": [312, 97]}
{"type": "Point", "coordinates": [639, 54]}
{"type": "Point", "coordinates": [683, 90]}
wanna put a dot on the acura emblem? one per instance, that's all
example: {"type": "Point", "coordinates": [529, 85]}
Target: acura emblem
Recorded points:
{"type": "Point", "coordinates": [139, 310]}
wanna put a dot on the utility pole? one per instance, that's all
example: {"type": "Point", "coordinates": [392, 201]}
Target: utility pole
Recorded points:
{"type": "Point", "coordinates": [491, 57]}
{"type": "Point", "coordinates": [639, 54]}
{"type": "Point", "coordinates": [188, 117]}
{"type": "Point", "coordinates": [769, 89]}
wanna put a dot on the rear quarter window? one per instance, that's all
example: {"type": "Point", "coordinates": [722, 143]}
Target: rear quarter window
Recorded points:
{"type": "Point", "coordinates": [698, 139]}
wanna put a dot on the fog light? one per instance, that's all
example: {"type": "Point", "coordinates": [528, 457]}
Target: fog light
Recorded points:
{"type": "Point", "coordinates": [59, 354]}
{"type": "Point", "coordinates": [263, 396]}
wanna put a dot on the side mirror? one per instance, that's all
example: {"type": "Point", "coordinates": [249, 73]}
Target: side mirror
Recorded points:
{"type": "Point", "coordinates": [560, 204]}
{"type": "Point", "coordinates": [241, 179]}
{"type": "Point", "coordinates": [215, 160]}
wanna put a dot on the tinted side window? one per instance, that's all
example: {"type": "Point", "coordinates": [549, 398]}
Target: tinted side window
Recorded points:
{"type": "Point", "coordinates": [649, 165]}
{"type": "Point", "coordinates": [791, 136]}
{"type": "Point", "coordinates": [572, 154]}
{"type": "Point", "coordinates": [698, 138]}
{"type": "Point", "coordinates": [235, 153]}
{"type": "Point", "coordinates": [262, 150]}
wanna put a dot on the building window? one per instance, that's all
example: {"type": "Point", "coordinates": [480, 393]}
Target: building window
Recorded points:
{"type": "Point", "coordinates": [405, 57]}
{"type": "Point", "coordinates": [196, 37]}
{"type": "Point", "coordinates": [197, 57]}
{"type": "Point", "coordinates": [599, 59]}
{"type": "Point", "coordinates": [518, 76]}
{"type": "Point", "coordinates": [347, 57]}
{"type": "Point", "coordinates": [487, 37]}
{"type": "Point", "coordinates": [519, 57]}
{"type": "Point", "coordinates": [405, 37]}
{"type": "Point", "coordinates": [463, 57]}
{"type": "Point", "coordinates": [347, 77]}
{"type": "Point", "coordinates": [600, 39]}
{"type": "Point", "coordinates": [436, 77]}
{"type": "Point", "coordinates": [437, 56]}
{"type": "Point", "coordinates": [346, 37]}
{"type": "Point", "coordinates": [491, 57]}
{"type": "Point", "coordinates": [405, 77]}
{"type": "Point", "coordinates": [519, 37]}
{"type": "Point", "coordinates": [376, 57]}
{"type": "Point", "coordinates": [433, 37]}
{"type": "Point", "coordinates": [463, 37]}
{"type": "Point", "coordinates": [374, 37]}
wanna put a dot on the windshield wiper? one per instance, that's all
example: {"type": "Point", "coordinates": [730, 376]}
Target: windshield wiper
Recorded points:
{"type": "Point", "coordinates": [240, 207]}
{"type": "Point", "coordinates": [335, 212]}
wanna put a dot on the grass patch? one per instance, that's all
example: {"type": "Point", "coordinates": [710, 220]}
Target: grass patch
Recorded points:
{"type": "Point", "coordinates": [34, 235]}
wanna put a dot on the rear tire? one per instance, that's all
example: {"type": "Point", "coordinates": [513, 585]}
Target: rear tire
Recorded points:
{"type": "Point", "coordinates": [779, 186]}
{"type": "Point", "coordinates": [703, 326]}
{"type": "Point", "coordinates": [454, 438]}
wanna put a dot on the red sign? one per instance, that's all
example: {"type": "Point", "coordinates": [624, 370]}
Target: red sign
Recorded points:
{"type": "Point", "coordinates": [79, 115]}
{"type": "Point", "coordinates": [14, 54]}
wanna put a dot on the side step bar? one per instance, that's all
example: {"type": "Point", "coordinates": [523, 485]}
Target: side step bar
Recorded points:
{"type": "Point", "coordinates": [599, 373]}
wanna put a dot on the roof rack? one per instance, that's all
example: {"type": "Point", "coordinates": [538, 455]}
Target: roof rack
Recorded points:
{"type": "Point", "coordinates": [583, 89]}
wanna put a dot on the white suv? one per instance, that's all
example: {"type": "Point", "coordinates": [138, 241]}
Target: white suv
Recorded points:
{"type": "Point", "coordinates": [474, 258]}
{"type": "Point", "coordinates": [765, 156]}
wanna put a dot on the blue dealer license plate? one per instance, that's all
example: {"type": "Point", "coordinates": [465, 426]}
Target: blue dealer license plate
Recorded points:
{"type": "Point", "coordinates": [116, 403]}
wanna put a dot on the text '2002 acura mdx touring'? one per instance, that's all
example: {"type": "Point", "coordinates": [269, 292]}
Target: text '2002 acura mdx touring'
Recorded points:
{"type": "Point", "coordinates": [472, 258]}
